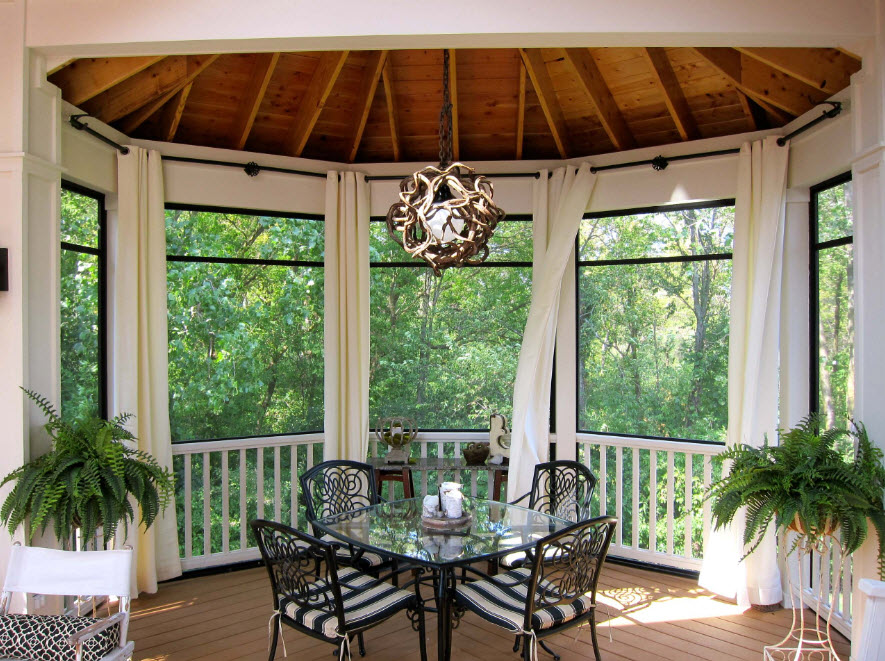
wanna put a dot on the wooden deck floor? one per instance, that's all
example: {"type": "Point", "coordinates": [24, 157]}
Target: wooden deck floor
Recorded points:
{"type": "Point", "coordinates": [653, 616]}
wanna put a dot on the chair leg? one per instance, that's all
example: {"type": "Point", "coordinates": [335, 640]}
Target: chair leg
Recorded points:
{"type": "Point", "coordinates": [516, 643]}
{"type": "Point", "coordinates": [362, 644]}
{"type": "Point", "coordinates": [275, 623]}
{"type": "Point", "coordinates": [527, 648]}
{"type": "Point", "coordinates": [549, 651]}
{"type": "Point", "coordinates": [595, 640]}
{"type": "Point", "coordinates": [421, 632]}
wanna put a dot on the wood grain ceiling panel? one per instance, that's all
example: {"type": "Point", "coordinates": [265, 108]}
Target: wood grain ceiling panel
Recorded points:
{"type": "Point", "coordinates": [369, 106]}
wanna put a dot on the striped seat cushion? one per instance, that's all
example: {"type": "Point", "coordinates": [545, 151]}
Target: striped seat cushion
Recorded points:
{"type": "Point", "coordinates": [366, 602]}
{"type": "Point", "coordinates": [518, 558]}
{"type": "Point", "coordinates": [366, 561]}
{"type": "Point", "coordinates": [505, 605]}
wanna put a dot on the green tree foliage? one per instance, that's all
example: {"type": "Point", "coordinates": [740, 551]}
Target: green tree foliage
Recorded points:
{"type": "Point", "coordinates": [79, 308]}
{"type": "Point", "coordinates": [836, 306]}
{"type": "Point", "coordinates": [653, 337]}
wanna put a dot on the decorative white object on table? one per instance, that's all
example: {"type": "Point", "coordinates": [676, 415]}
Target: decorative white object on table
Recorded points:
{"type": "Point", "coordinates": [431, 506]}
{"type": "Point", "coordinates": [452, 500]}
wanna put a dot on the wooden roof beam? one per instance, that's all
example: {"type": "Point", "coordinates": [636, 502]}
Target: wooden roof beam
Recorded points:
{"type": "Point", "coordinates": [138, 90]}
{"type": "Point", "coordinates": [84, 79]}
{"type": "Point", "coordinates": [672, 90]}
{"type": "Point", "coordinates": [826, 69]}
{"type": "Point", "coordinates": [321, 84]}
{"type": "Point", "coordinates": [453, 95]}
{"type": "Point", "coordinates": [540, 77]}
{"type": "Point", "coordinates": [390, 97]}
{"type": "Point", "coordinates": [369, 85]}
{"type": "Point", "coordinates": [768, 87]}
{"type": "Point", "coordinates": [196, 64]}
{"type": "Point", "coordinates": [520, 112]}
{"type": "Point", "coordinates": [172, 113]}
{"type": "Point", "coordinates": [596, 88]}
{"type": "Point", "coordinates": [262, 70]}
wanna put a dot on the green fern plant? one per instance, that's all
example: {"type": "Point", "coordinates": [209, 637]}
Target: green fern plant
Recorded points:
{"type": "Point", "coordinates": [85, 481]}
{"type": "Point", "coordinates": [813, 483]}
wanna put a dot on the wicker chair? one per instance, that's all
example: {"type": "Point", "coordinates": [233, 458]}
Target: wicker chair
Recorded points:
{"type": "Point", "coordinates": [312, 595]}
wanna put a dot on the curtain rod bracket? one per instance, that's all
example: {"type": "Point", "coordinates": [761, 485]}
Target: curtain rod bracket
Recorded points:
{"type": "Point", "coordinates": [827, 114]}
{"type": "Point", "coordinates": [659, 163]}
{"type": "Point", "coordinates": [82, 126]}
{"type": "Point", "coordinates": [252, 169]}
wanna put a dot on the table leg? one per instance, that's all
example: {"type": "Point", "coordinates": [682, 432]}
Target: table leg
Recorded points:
{"type": "Point", "coordinates": [444, 617]}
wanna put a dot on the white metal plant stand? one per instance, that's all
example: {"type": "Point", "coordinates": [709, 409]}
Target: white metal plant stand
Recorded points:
{"type": "Point", "coordinates": [810, 638]}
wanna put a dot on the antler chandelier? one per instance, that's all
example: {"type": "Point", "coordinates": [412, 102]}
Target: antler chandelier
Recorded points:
{"type": "Point", "coordinates": [446, 214]}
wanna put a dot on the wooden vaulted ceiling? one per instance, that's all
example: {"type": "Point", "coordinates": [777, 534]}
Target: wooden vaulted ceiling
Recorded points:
{"type": "Point", "coordinates": [509, 104]}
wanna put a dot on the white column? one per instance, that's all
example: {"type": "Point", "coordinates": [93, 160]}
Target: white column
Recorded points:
{"type": "Point", "coordinates": [29, 201]}
{"type": "Point", "coordinates": [868, 174]}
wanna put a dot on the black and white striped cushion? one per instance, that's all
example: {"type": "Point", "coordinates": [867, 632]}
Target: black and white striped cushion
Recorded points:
{"type": "Point", "coordinates": [505, 605]}
{"type": "Point", "coordinates": [342, 552]}
{"type": "Point", "coordinates": [45, 638]}
{"type": "Point", "coordinates": [365, 602]}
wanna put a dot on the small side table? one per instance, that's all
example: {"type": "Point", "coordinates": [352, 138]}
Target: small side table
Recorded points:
{"type": "Point", "coordinates": [402, 473]}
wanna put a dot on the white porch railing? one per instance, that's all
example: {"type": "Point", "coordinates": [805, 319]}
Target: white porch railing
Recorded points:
{"type": "Point", "coordinates": [656, 489]}
{"type": "Point", "coordinates": [222, 485]}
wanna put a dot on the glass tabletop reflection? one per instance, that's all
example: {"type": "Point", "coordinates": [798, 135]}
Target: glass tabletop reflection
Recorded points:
{"type": "Point", "coordinates": [395, 529]}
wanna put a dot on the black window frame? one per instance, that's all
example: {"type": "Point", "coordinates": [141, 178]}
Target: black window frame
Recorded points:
{"type": "Point", "coordinates": [579, 263]}
{"type": "Point", "coordinates": [418, 264]}
{"type": "Point", "coordinates": [814, 249]}
{"type": "Point", "coordinates": [201, 259]}
{"type": "Point", "coordinates": [100, 253]}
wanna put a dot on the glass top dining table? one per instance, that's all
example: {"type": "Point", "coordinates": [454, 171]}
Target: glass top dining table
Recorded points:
{"type": "Point", "coordinates": [395, 529]}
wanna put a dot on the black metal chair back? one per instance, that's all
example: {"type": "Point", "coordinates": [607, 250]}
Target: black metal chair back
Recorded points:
{"type": "Point", "coordinates": [301, 567]}
{"type": "Point", "coordinates": [333, 487]}
{"type": "Point", "coordinates": [562, 488]}
{"type": "Point", "coordinates": [567, 565]}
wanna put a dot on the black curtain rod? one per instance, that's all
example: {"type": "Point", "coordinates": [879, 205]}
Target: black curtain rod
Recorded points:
{"type": "Point", "coordinates": [251, 168]}
{"type": "Point", "coordinates": [496, 175]}
{"type": "Point", "coordinates": [81, 126]}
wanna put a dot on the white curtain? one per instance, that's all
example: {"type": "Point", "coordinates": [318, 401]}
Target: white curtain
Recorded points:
{"type": "Point", "coordinates": [139, 350]}
{"type": "Point", "coordinates": [753, 360]}
{"type": "Point", "coordinates": [347, 317]}
{"type": "Point", "coordinates": [558, 204]}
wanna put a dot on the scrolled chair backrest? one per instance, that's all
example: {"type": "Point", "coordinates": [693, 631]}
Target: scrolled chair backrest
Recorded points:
{"type": "Point", "coordinates": [563, 488]}
{"type": "Point", "coordinates": [333, 487]}
{"type": "Point", "coordinates": [567, 564]}
{"type": "Point", "coordinates": [302, 568]}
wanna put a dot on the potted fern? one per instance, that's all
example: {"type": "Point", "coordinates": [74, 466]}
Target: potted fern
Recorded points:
{"type": "Point", "coordinates": [85, 481]}
{"type": "Point", "coordinates": [814, 483]}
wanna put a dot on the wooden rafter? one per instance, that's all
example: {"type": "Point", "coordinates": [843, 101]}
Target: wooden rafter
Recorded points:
{"type": "Point", "coordinates": [172, 113]}
{"type": "Point", "coordinates": [321, 84]}
{"type": "Point", "coordinates": [368, 87]}
{"type": "Point", "coordinates": [196, 64]}
{"type": "Point", "coordinates": [596, 88]}
{"type": "Point", "coordinates": [752, 123]}
{"type": "Point", "coordinates": [766, 86]}
{"type": "Point", "coordinates": [826, 69]}
{"type": "Point", "coordinates": [453, 95]}
{"type": "Point", "coordinates": [540, 77]}
{"type": "Point", "coordinates": [520, 112]}
{"type": "Point", "coordinates": [392, 118]}
{"type": "Point", "coordinates": [263, 69]}
{"type": "Point", "coordinates": [84, 79]}
{"type": "Point", "coordinates": [138, 90]}
{"type": "Point", "coordinates": [672, 91]}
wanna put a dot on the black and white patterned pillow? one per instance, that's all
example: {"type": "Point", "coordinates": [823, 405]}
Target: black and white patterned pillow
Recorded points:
{"type": "Point", "coordinates": [45, 638]}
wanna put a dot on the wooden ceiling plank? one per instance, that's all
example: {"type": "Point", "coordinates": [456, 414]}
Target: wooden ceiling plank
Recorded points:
{"type": "Point", "coordinates": [172, 113]}
{"type": "Point", "coordinates": [321, 84]}
{"type": "Point", "coordinates": [600, 95]}
{"type": "Point", "coordinates": [826, 69]}
{"type": "Point", "coordinates": [752, 125]}
{"type": "Point", "coordinates": [375, 65]}
{"type": "Point", "coordinates": [138, 90]}
{"type": "Point", "coordinates": [673, 95]}
{"type": "Point", "coordinates": [84, 79]}
{"type": "Point", "coordinates": [265, 64]}
{"type": "Point", "coordinates": [774, 91]}
{"type": "Point", "coordinates": [391, 108]}
{"type": "Point", "coordinates": [540, 77]}
{"type": "Point", "coordinates": [520, 112]}
{"type": "Point", "coordinates": [453, 95]}
{"type": "Point", "coordinates": [196, 64]}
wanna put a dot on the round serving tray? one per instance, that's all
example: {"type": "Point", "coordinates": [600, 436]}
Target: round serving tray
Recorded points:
{"type": "Point", "coordinates": [444, 525]}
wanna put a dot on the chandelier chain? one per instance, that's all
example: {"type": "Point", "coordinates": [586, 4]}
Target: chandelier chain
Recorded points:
{"type": "Point", "coordinates": [445, 117]}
